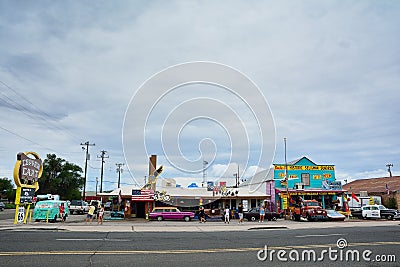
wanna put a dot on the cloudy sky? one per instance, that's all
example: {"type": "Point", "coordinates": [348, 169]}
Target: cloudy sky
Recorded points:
{"type": "Point", "coordinates": [75, 71]}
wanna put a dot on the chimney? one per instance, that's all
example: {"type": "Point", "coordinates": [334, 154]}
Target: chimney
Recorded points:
{"type": "Point", "coordinates": [152, 164]}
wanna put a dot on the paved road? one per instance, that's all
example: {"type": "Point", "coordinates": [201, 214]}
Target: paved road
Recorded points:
{"type": "Point", "coordinates": [203, 248]}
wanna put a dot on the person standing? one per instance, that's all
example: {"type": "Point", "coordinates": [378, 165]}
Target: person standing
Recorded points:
{"type": "Point", "coordinates": [90, 214]}
{"type": "Point", "coordinates": [262, 214]}
{"type": "Point", "coordinates": [227, 214]}
{"type": "Point", "coordinates": [100, 215]}
{"type": "Point", "coordinates": [202, 215]}
{"type": "Point", "coordinates": [62, 212]}
{"type": "Point", "coordinates": [240, 212]}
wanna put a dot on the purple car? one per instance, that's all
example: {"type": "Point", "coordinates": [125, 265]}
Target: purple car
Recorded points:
{"type": "Point", "coordinates": [170, 213]}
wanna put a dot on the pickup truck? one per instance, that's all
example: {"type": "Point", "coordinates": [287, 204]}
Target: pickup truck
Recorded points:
{"type": "Point", "coordinates": [310, 210]}
{"type": "Point", "coordinates": [377, 212]}
{"type": "Point", "coordinates": [78, 207]}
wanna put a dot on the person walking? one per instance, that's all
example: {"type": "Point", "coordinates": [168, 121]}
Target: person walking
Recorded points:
{"type": "Point", "coordinates": [240, 212]}
{"type": "Point", "coordinates": [202, 215]}
{"type": "Point", "coordinates": [62, 212]}
{"type": "Point", "coordinates": [90, 214]}
{"type": "Point", "coordinates": [227, 214]}
{"type": "Point", "coordinates": [262, 214]}
{"type": "Point", "coordinates": [100, 215]}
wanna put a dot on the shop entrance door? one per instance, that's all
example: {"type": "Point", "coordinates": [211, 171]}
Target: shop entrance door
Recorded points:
{"type": "Point", "coordinates": [140, 209]}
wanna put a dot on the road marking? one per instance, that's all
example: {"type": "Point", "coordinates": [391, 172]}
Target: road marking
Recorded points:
{"type": "Point", "coordinates": [93, 239]}
{"type": "Point", "coordinates": [183, 251]}
{"type": "Point", "coordinates": [300, 236]}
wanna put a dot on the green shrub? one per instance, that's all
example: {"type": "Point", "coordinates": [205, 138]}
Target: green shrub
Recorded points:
{"type": "Point", "coordinates": [10, 205]}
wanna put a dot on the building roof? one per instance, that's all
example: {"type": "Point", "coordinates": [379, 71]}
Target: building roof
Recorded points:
{"type": "Point", "coordinates": [374, 185]}
{"type": "Point", "coordinates": [125, 191]}
{"type": "Point", "coordinates": [202, 192]}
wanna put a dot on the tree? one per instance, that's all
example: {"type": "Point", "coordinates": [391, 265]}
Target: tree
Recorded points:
{"type": "Point", "coordinates": [6, 189]}
{"type": "Point", "coordinates": [60, 177]}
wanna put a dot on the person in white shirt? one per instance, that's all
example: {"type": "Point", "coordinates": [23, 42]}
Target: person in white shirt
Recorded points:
{"type": "Point", "coordinates": [227, 213]}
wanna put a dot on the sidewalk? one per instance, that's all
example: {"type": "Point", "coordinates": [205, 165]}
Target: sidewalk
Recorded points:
{"type": "Point", "coordinates": [141, 225]}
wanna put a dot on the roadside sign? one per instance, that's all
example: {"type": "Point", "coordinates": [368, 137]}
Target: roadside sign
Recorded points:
{"type": "Point", "coordinates": [27, 195]}
{"type": "Point", "coordinates": [21, 214]}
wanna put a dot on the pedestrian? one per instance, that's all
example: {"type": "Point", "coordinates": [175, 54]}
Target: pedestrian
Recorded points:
{"type": "Point", "coordinates": [90, 214]}
{"type": "Point", "coordinates": [227, 214]}
{"type": "Point", "coordinates": [100, 215]}
{"type": "Point", "coordinates": [62, 211]}
{"type": "Point", "coordinates": [240, 212]}
{"type": "Point", "coordinates": [202, 215]}
{"type": "Point", "coordinates": [262, 214]}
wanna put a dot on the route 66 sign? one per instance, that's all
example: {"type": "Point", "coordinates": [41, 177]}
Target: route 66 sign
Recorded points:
{"type": "Point", "coordinates": [21, 214]}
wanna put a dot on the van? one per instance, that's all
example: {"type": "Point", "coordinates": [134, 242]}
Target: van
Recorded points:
{"type": "Point", "coordinates": [49, 210]}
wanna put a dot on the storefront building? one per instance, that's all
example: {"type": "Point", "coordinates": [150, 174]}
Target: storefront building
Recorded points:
{"type": "Point", "coordinates": [306, 180]}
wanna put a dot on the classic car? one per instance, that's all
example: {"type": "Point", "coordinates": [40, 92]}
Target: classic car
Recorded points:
{"type": "Point", "coordinates": [334, 215]}
{"type": "Point", "coordinates": [253, 214]}
{"type": "Point", "coordinates": [376, 211]}
{"type": "Point", "coordinates": [170, 213]}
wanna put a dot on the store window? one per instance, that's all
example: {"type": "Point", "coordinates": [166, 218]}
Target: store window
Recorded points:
{"type": "Point", "coordinates": [305, 179]}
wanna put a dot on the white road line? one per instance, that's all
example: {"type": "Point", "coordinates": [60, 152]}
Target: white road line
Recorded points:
{"type": "Point", "coordinates": [93, 239]}
{"type": "Point", "coordinates": [300, 236]}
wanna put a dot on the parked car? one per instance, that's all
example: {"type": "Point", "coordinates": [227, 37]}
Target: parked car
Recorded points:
{"type": "Point", "coordinates": [49, 210]}
{"type": "Point", "coordinates": [108, 205]}
{"type": "Point", "coordinates": [376, 211]}
{"type": "Point", "coordinates": [253, 214]}
{"type": "Point", "coordinates": [334, 215]}
{"type": "Point", "coordinates": [78, 206]}
{"type": "Point", "coordinates": [170, 213]}
{"type": "Point", "coordinates": [2, 206]}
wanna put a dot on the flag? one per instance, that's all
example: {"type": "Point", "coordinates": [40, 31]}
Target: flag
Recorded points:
{"type": "Point", "coordinates": [119, 197]}
{"type": "Point", "coordinates": [355, 197]}
{"type": "Point", "coordinates": [387, 189]}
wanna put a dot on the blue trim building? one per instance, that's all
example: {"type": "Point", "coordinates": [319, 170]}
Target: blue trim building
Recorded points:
{"type": "Point", "coordinates": [307, 180]}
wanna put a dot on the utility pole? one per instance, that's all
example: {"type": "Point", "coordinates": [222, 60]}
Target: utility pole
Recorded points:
{"type": "Point", "coordinates": [237, 177]}
{"type": "Point", "coordinates": [287, 184]}
{"type": "Point", "coordinates": [204, 172]}
{"type": "Point", "coordinates": [87, 157]}
{"type": "Point", "coordinates": [102, 156]}
{"type": "Point", "coordinates": [389, 170]}
{"type": "Point", "coordinates": [119, 170]}
{"type": "Point", "coordinates": [97, 181]}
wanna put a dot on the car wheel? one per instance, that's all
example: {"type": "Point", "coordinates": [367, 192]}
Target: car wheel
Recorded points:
{"type": "Point", "coordinates": [274, 218]}
{"type": "Point", "coordinates": [253, 218]}
{"type": "Point", "coordinates": [365, 217]}
{"type": "Point", "coordinates": [390, 217]}
{"type": "Point", "coordinates": [187, 218]}
{"type": "Point", "coordinates": [159, 218]}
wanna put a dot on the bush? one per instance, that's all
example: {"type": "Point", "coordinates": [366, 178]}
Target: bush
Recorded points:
{"type": "Point", "coordinates": [10, 205]}
{"type": "Point", "coordinates": [391, 204]}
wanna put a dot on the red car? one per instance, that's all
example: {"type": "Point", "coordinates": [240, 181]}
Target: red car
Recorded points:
{"type": "Point", "coordinates": [170, 213]}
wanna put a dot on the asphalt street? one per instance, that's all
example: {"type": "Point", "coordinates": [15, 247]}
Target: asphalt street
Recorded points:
{"type": "Point", "coordinates": [247, 247]}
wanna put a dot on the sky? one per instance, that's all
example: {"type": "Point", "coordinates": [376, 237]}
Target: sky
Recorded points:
{"type": "Point", "coordinates": [322, 74]}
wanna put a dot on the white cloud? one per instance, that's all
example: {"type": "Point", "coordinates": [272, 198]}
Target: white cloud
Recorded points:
{"type": "Point", "coordinates": [328, 70]}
